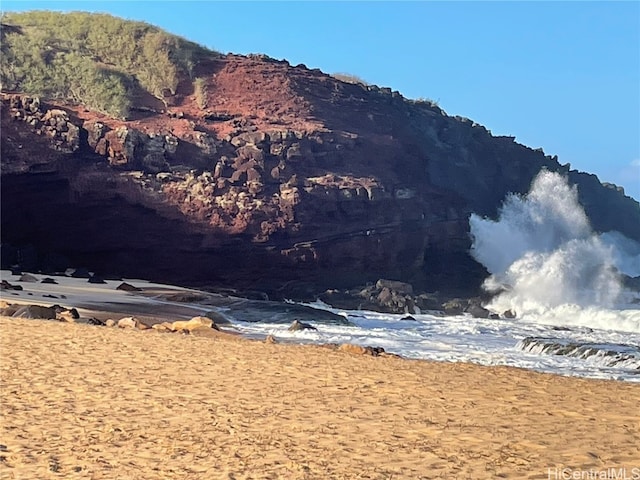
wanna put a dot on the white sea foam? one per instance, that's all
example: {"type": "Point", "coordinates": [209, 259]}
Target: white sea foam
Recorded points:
{"type": "Point", "coordinates": [465, 339]}
{"type": "Point", "coordinates": [548, 264]}
{"type": "Point", "coordinates": [458, 338]}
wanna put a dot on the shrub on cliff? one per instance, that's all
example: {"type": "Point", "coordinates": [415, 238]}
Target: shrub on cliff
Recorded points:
{"type": "Point", "coordinates": [200, 87]}
{"type": "Point", "coordinates": [95, 59]}
{"type": "Point", "coordinates": [349, 78]}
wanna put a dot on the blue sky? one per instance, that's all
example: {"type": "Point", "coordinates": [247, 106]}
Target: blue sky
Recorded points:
{"type": "Point", "coordinates": [564, 76]}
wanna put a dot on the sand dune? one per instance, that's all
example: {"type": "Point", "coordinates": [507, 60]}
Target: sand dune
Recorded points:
{"type": "Point", "coordinates": [83, 402]}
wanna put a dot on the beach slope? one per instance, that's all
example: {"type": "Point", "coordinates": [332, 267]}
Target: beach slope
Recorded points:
{"type": "Point", "coordinates": [83, 402]}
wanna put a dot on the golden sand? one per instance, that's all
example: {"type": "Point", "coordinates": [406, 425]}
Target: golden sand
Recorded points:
{"type": "Point", "coordinates": [84, 402]}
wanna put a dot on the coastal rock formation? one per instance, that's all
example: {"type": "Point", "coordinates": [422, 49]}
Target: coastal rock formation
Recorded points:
{"type": "Point", "coordinates": [127, 287]}
{"type": "Point", "coordinates": [32, 311]}
{"type": "Point", "coordinates": [610, 355]}
{"type": "Point", "coordinates": [131, 323]}
{"type": "Point", "coordinates": [290, 182]}
{"type": "Point", "coordinates": [27, 278]}
{"type": "Point", "coordinates": [360, 350]}
{"type": "Point", "coordinates": [297, 325]}
{"type": "Point", "coordinates": [194, 323]}
{"type": "Point", "coordinates": [54, 312]}
{"type": "Point", "coordinates": [8, 286]}
{"type": "Point", "coordinates": [390, 296]}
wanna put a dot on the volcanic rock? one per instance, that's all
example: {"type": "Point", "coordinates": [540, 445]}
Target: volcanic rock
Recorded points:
{"type": "Point", "coordinates": [4, 285]}
{"type": "Point", "coordinates": [163, 327]}
{"type": "Point", "coordinates": [194, 323]}
{"type": "Point", "coordinates": [36, 311]}
{"type": "Point", "coordinates": [393, 285]}
{"type": "Point", "coordinates": [126, 287]}
{"type": "Point", "coordinates": [131, 322]}
{"type": "Point", "coordinates": [286, 174]}
{"type": "Point", "coordinates": [360, 350]}
{"type": "Point", "coordinates": [67, 314]}
{"type": "Point", "coordinates": [477, 311]}
{"type": "Point", "coordinates": [298, 325]}
{"type": "Point", "coordinates": [81, 273]}
{"type": "Point", "coordinates": [95, 321]}
{"type": "Point", "coordinates": [385, 296]}
{"type": "Point", "coordinates": [7, 310]}
{"type": "Point", "coordinates": [28, 278]}
{"type": "Point", "coordinates": [185, 297]}
{"type": "Point", "coordinates": [454, 307]}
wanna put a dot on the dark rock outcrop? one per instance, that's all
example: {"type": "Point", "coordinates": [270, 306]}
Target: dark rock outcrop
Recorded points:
{"type": "Point", "coordinates": [81, 273]}
{"type": "Point", "coordinates": [4, 285]}
{"type": "Point", "coordinates": [455, 306]}
{"type": "Point", "coordinates": [297, 325]}
{"type": "Point", "coordinates": [478, 311]}
{"type": "Point", "coordinates": [127, 287]}
{"type": "Point", "coordinates": [360, 350]}
{"type": "Point", "coordinates": [35, 311]}
{"type": "Point", "coordinates": [610, 355]}
{"type": "Point", "coordinates": [390, 296]}
{"type": "Point", "coordinates": [291, 182]}
{"type": "Point", "coordinates": [27, 278]}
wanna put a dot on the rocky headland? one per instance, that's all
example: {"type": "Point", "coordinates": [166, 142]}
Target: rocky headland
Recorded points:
{"type": "Point", "coordinates": [270, 178]}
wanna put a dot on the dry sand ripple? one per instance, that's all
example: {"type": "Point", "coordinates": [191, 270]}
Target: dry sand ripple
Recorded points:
{"type": "Point", "coordinates": [82, 402]}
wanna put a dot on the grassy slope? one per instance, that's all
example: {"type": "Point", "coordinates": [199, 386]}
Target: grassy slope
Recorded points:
{"type": "Point", "coordinates": [98, 60]}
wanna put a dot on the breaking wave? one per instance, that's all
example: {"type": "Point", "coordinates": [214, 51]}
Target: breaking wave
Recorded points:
{"type": "Point", "coordinates": [548, 265]}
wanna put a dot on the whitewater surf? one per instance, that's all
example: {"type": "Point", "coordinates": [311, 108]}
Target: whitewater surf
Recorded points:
{"type": "Point", "coordinates": [547, 265]}
{"type": "Point", "coordinates": [561, 280]}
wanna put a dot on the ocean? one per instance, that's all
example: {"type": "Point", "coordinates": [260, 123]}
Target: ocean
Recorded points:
{"type": "Point", "coordinates": [546, 347]}
{"type": "Point", "coordinates": [562, 280]}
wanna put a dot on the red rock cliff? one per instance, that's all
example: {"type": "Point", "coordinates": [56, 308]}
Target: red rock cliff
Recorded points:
{"type": "Point", "coordinates": [268, 176]}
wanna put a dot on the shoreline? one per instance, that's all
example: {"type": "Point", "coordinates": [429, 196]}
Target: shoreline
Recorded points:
{"type": "Point", "coordinates": [151, 303]}
{"type": "Point", "coordinates": [82, 402]}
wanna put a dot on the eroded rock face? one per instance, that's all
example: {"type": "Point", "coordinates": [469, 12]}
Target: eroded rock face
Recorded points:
{"type": "Point", "coordinates": [289, 183]}
{"type": "Point", "coordinates": [53, 123]}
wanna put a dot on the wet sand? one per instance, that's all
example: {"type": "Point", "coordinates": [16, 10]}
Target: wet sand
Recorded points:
{"type": "Point", "coordinates": [87, 402]}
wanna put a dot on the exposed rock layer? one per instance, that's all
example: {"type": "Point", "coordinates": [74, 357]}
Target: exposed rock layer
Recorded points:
{"type": "Point", "coordinates": [282, 180]}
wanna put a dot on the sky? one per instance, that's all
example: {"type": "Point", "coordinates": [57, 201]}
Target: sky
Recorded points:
{"type": "Point", "coordinates": [563, 76]}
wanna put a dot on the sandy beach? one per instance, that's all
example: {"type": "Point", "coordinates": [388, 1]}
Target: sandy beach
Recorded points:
{"type": "Point", "coordinates": [87, 402]}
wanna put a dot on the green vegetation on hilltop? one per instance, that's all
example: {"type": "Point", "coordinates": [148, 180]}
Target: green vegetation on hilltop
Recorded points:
{"type": "Point", "coordinates": [98, 60]}
{"type": "Point", "coordinates": [349, 78]}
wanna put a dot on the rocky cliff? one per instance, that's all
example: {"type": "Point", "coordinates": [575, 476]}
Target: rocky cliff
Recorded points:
{"type": "Point", "coordinates": [266, 176]}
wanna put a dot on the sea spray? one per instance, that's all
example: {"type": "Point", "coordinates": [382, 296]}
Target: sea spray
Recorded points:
{"type": "Point", "coordinates": [548, 265]}
{"type": "Point", "coordinates": [626, 252]}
